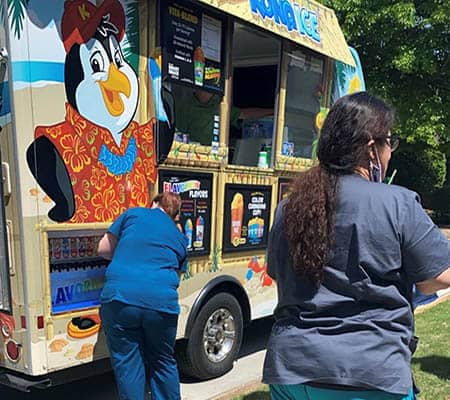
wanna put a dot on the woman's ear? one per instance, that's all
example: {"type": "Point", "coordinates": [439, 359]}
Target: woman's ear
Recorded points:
{"type": "Point", "coordinates": [371, 148]}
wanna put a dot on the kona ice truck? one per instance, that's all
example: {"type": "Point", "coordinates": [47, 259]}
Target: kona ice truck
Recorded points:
{"type": "Point", "coordinates": [100, 110]}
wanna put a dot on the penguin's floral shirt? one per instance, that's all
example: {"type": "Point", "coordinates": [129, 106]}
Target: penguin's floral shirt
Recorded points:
{"type": "Point", "coordinates": [106, 179]}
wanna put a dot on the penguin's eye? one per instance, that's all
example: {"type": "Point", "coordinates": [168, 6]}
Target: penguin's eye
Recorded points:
{"type": "Point", "coordinates": [118, 58]}
{"type": "Point", "coordinates": [97, 62]}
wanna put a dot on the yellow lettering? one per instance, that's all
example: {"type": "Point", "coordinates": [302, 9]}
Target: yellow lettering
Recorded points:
{"type": "Point", "coordinates": [189, 17]}
{"type": "Point", "coordinates": [84, 14]}
{"type": "Point", "coordinates": [174, 11]}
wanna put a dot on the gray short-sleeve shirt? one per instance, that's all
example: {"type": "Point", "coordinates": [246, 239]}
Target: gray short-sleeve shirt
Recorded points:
{"type": "Point", "coordinates": [355, 328]}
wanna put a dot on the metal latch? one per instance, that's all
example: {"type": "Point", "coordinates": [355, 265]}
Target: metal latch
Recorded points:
{"type": "Point", "coordinates": [6, 182]}
{"type": "Point", "coordinates": [9, 237]}
{"type": "Point", "coordinates": [3, 55]}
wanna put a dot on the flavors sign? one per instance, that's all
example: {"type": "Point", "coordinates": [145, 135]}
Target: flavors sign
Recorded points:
{"type": "Point", "coordinates": [195, 218]}
{"type": "Point", "coordinates": [77, 285]}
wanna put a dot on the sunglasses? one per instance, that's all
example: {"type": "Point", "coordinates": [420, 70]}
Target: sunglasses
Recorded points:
{"type": "Point", "coordinates": [393, 141]}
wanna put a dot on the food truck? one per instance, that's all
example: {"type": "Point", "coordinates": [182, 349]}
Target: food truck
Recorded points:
{"type": "Point", "coordinates": [106, 103]}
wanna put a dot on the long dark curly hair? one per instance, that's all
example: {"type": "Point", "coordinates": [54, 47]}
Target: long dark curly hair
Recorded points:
{"type": "Point", "coordinates": [310, 211]}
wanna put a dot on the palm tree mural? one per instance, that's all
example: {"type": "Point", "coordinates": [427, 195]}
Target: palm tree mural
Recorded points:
{"type": "Point", "coordinates": [130, 44]}
{"type": "Point", "coordinates": [343, 72]}
{"type": "Point", "coordinates": [16, 14]}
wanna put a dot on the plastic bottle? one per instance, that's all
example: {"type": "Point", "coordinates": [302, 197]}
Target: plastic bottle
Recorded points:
{"type": "Point", "coordinates": [188, 232]}
{"type": "Point", "coordinates": [199, 230]}
{"type": "Point", "coordinates": [262, 158]}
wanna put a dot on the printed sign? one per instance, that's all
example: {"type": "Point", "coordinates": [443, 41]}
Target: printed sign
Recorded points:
{"type": "Point", "coordinates": [77, 285]}
{"type": "Point", "coordinates": [77, 274]}
{"type": "Point", "coordinates": [302, 20]}
{"type": "Point", "coordinates": [306, 22]}
{"type": "Point", "coordinates": [247, 217]}
{"type": "Point", "coordinates": [195, 190]}
{"type": "Point", "coordinates": [192, 42]}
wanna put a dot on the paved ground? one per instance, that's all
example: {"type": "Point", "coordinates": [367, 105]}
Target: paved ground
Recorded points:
{"type": "Point", "coordinates": [247, 370]}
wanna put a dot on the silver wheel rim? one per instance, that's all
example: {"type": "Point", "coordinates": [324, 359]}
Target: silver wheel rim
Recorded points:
{"type": "Point", "coordinates": [219, 335]}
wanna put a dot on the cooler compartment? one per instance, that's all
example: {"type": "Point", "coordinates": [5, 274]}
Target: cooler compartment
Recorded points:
{"type": "Point", "coordinates": [77, 273]}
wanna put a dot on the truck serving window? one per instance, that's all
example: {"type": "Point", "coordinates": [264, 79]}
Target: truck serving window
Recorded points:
{"type": "Point", "coordinates": [196, 114]}
{"type": "Point", "coordinates": [255, 60]}
{"type": "Point", "coordinates": [304, 91]}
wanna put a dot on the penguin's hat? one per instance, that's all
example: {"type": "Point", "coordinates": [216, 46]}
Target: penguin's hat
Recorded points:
{"type": "Point", "coordinates": [81, 19]}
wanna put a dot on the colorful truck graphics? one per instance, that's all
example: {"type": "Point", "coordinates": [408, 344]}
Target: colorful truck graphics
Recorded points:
{"type": "Point", "coordinates": [88, 130]}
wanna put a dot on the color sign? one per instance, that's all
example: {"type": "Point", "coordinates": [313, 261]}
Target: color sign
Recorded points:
{"type": "Point", "coordinates": [247, 217]}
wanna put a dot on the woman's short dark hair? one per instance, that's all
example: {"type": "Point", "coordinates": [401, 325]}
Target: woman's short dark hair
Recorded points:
{"type": "Point", "coordinates": [169, 202]}
{"type": "Point", "coordinates": [309, 214]}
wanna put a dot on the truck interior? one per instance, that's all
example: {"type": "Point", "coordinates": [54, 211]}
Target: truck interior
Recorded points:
{"type": "Point", "coordinates": [255, 65]}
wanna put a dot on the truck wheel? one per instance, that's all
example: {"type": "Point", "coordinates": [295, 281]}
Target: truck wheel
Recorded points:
{"type": "Point", "coordinates": [215, 338]}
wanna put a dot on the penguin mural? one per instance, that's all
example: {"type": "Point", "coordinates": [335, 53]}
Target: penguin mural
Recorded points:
{"type": "Point", "coordinates": [98, 162]}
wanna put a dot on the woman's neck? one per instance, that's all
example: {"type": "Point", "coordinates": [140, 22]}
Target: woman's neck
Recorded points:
{"type": "Point", "coordinates": [364, 172]}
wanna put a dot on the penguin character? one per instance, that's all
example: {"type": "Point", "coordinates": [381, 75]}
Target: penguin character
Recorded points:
{"type": "Point", "coordinates": [98, 162]}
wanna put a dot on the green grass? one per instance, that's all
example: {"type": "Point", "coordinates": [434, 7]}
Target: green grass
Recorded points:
{"type": "Point", "coordinates": [262, 393]}
{"type": "Point", "coordinates": [431, 362]}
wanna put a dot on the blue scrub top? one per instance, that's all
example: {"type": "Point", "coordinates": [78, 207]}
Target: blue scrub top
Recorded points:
{"type": "Point", "coordinates": [144, 270]}
{"type": "Point", "coordinates": [354, 329]}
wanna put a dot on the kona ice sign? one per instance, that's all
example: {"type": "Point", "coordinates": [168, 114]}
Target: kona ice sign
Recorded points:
{"type": "Point", "coordinates": [290, 15]}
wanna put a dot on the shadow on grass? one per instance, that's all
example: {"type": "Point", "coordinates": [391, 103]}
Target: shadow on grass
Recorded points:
{"type": "Point", "coordinates": [257, 396]}
{"type": "Point", "coordinates": [436, 365]}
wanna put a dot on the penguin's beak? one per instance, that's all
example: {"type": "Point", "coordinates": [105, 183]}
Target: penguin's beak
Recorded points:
{"type": "Point", "coordinates": [116, 83]}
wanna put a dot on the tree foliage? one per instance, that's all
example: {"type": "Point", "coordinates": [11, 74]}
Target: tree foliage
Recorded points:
{"type": "Point", "coordinates": [412, 160]}
{"type": "Point", "coordinates": [404, 48]}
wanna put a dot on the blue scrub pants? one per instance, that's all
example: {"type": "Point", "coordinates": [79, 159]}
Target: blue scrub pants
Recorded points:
{"type": "Point", "coordinates": [305, 392]}
{"type": "Point", "coordinates": [141, 342]}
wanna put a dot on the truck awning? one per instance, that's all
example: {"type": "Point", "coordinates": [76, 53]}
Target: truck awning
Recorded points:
{"type": "Point", "coordinates": [303, 21]}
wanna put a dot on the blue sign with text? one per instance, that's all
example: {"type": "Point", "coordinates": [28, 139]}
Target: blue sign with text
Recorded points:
{"type": "Point", "coordinates": [290, 15]}
{"type": "Point", "coordinates": [76, 288]}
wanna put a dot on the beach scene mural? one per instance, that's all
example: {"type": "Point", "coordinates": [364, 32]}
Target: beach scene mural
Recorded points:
{"type": "Point", "coordinates": [349, 79]}
{"type": "Point", "coordinates": [89, 152]}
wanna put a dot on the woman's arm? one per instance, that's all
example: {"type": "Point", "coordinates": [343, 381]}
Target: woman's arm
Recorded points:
{"type": "Point", "coordinates": [430, 286]}
{"type": "Point", "coordinates": [107, 245]}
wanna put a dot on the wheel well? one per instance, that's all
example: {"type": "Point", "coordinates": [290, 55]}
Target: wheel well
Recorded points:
{"type": "Point", "coordinates": [222, 284]}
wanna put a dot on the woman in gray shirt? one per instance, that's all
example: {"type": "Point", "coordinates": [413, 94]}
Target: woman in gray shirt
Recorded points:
{"type": "Point", "coordinates": [345, 251]}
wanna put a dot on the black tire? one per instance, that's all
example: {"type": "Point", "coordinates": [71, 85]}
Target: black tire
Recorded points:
{"type": "Point", "coordinates": [205, 360]}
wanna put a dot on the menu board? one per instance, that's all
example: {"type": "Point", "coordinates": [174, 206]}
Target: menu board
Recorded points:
{"type": "Point", "coordinates": [193, 41]}
{"type": "Point", "coordinates": [284, 186]}
{"type": "Point", "coordinates": [195, 190]}
{"type": "Point", "coordinates": [247, 217]}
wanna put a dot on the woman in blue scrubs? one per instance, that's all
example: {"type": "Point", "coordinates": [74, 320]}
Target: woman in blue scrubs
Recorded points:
{"type": "Point", "coordinates": [140, 307]}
